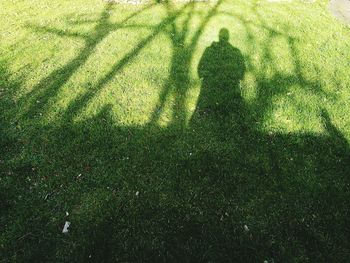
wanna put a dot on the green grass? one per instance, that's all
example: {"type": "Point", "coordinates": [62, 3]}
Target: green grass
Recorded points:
{"type": "Point", "coordinates": [103, 115]}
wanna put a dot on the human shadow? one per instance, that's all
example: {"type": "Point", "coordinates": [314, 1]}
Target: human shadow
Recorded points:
{"type": "Point", "coordinates": [220, 104]}
{"type": "Point", "coordinates": [221, 68]}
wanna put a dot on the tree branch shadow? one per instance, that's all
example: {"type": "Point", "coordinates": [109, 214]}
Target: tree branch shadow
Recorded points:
{"type": "Point", "coordinates": [50, 86]}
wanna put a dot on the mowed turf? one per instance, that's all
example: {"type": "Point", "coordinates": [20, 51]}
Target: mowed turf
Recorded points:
{"type": "Point", "coordinates": [108, 122]}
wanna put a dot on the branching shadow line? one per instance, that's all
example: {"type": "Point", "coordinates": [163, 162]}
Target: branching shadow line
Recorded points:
{"type": "Point", "coordinates": [76, 106]}
{"type": "Point", "coordinates": [49, 87]}
{"type": "Point", "coordinates": [178, 81]}
{"type": "Point", "coordinates": [264, 96]}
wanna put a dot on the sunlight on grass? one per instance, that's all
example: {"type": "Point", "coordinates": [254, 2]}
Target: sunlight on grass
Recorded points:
{"type": "Point", "coordinates": [272, 47]}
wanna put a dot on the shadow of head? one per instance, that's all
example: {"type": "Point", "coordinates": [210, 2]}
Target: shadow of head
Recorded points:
{"type": "Point", "coordinates": [224, 35]}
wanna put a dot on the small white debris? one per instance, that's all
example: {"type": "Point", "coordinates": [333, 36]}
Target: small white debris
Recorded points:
{"type": "Point", "coordinates": [137, 193]}
{"type": "Point", "coordinates": [246, 228]}
{"type": "Point", "coordinates": [65, 228]}
{"type": "Point", "coordinates": [67, 214]}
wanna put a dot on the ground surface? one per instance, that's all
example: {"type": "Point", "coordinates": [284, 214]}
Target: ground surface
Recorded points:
{"type": "Point", "coordinates": [105, 123]}
{"type": "Point", "coordinates": [341, 9]}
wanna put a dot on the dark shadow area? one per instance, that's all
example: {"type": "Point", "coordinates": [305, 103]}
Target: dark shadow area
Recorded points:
{"type": "Point", "coordinates": [147, 193]}
{"type": "Point", "coordinates": [9, 142]}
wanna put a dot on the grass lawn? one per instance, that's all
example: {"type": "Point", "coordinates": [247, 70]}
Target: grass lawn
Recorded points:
{"type": "Point", "coordinates": [158, 142]}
